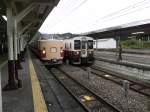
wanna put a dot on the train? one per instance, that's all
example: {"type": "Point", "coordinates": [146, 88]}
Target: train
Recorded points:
{"type": "Point", "coordinates": [50, 51]}
{"type": "Point", "coordinates": [79, 50]}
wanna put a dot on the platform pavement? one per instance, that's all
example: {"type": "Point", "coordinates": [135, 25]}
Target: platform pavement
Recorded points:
{"type": "Point", "coordinates": [23, 99]}
{"type": "Point", "coordinates": [19, 100]}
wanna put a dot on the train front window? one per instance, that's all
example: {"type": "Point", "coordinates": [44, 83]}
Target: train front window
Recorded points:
{"type": "Point", "coordinates": [83, 44]}
{"type": "Point", "coordinates": [90, 44]}
{"type": "Point", "coordinates": [77, 44]}
{"type": "Point", "coordinates": [53, 49]}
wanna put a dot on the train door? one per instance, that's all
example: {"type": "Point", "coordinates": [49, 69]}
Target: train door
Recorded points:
{"type": "Point", "coordinates": [90, 45]}
{"type": "Point", "coordinates": [90, 51]}
{"type": "Point", "coordinates": [84, 48]}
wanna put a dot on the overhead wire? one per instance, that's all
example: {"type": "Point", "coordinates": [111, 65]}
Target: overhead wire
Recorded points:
{"type": "Point", "coordinates": [130, 12]}
{"type": "Point", "coordinates": [130, 9]}
{"type": "Point", "coordinates": [118, 13]}
{"type": "Point", "coordinates": [74, 9]}
{"type": "Point", "coordinates": [125, 11]}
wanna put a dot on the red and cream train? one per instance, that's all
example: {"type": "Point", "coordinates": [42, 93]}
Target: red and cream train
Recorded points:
{"type": "Point", "coordinates": [79, 50]}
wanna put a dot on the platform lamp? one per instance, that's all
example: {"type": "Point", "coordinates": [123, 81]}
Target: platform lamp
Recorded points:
{"type": "Point", "coordinates": [4, 17]}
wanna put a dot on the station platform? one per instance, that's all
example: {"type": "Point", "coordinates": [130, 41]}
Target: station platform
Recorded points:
{"type": "Point", "coordinates": [19, 100]}
{"type": "Point", "coordinates": [40, 92]}
{"type": "Point", "coordinates": [135, 59]}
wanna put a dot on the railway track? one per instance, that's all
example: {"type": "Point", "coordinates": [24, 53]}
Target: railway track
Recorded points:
{"type": "Point", "coordinates": [45, 79]}
{"type": "Point", "coordinates": [89, 100]}
{"type": "Point", "coordinates": [109, 75]}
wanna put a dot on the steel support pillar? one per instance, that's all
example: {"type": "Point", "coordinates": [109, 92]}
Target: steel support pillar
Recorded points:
{"type": "Point", "coordinates": [18, 50]}
{"type": "Point", "coordinates": [119, 48]}
{"type": "Point", "coordinates": [21, 48]}
{"type": "Point", "coordinates": [97, 45]}
{"type": "Point", "coordinates": [13, 43]}
{"type": "Point", "coordinates": [11, 64]}
{"type": "Point", "coordinates": [25, 43]}
{"type": "Point", "coordinates": [17, 61]}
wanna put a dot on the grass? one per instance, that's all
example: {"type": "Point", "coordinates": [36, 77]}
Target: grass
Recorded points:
{"type": "Point", "coordinates": [135, 44]}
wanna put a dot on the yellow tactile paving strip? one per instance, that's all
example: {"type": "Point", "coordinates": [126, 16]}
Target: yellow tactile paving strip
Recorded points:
{"type": "Point", "coordinates": [38, 99]}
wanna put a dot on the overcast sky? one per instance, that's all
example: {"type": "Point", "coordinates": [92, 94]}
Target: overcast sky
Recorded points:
{"type": "Point", "coordinates": [79, 16]}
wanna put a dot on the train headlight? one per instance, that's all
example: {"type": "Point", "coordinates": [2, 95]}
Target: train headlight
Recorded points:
{"type": "Point", "coordinates": [62, 53]}
{"type": "Point", "coordinates": [43, 51]}
{"type": "Point", "coordinates": [77, 52]}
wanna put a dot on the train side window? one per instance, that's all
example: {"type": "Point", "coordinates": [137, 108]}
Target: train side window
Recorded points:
{"type": "Point", "coordinates": [77, 44]}
{"type": "Point", "coordinates": [53, 49]}
{"type": "Point", "coordinates": [90, 44]}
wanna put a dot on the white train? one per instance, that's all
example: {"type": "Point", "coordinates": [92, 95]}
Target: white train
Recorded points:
{"type": "Point", "coordinates": [79, 50]}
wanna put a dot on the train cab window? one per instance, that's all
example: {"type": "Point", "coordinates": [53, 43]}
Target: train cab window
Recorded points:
{"type": "Point", "coordinates": [83, 44]}
{"type": "Point", "coordinates": [90, 44]}
{"type": "Point", "coordinates": [53, 49]}
{"type": "Point", "coordinates": [77, 44]}
{"type": "Point", "coordinates": [70, 46]}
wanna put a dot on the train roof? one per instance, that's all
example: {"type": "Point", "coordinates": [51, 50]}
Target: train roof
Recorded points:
{"type": "Point", "coordinates": [50, 40]}
{"type": "Point", "coordinates": [78, 37]}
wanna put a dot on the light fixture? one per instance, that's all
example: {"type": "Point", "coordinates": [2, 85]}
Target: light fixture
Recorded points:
{"type": "Point", "coordinates": [107, 75]}
{"type": "Point", "coordinates": [4, 17]}
{"type": "Point", "coordinates": [141, 32]}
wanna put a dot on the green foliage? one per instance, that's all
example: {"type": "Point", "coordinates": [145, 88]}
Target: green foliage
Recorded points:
{"type": "Point", "coordinates": [146, 44]}
{"type": "Point", "coordinates": [135, 44]}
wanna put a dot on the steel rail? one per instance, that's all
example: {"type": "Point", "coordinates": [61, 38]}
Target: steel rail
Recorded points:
{"type": "Point", "coordinates": [69, 91]}
{"type": "Point", "coordinates": [99, 98]}
{"type": "Point", "coordinates": [122, 78]}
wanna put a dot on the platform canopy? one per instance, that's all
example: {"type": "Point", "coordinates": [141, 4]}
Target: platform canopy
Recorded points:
{"type": "Point", "coordinates": [32, 13]}
{"type": "Point", "coordinates": [128, 30]}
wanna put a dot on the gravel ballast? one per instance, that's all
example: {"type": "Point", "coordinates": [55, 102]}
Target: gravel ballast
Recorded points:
{"type": "Point", "coordinates": [111, 92]}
